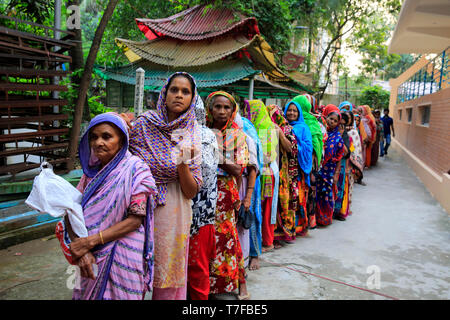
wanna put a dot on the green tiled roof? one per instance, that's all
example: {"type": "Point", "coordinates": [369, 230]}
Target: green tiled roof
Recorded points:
{"type": "Point", "coordinates": [211, 75]}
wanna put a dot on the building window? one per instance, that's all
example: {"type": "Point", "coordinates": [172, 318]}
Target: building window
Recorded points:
{"type": "Point", "coordinates": [424, 112]}
{"type": "Point", "coordinates": [400, 115]}
{"type": "Point", "coordinates": [409, 114]}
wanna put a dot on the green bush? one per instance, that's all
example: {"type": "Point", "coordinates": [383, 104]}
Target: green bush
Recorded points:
{"type": "Point", "coordinates": [375, 97]}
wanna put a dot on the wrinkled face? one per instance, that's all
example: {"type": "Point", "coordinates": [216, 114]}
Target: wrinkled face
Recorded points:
{"type": "Point", "coordinates": [105, 141]}
{"type": "Point", "coordinates": [221, 110]}
{"type": "Point", "coordinates": [179, 96]}
{"type": "Point", "coordinates": [332, 121]}
{"type": "Point", "coordinates": [292, 113]}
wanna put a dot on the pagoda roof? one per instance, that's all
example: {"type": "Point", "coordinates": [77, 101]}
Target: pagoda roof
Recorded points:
{"type": "Point", "coordinates": [180, 53]}
{"type": "Point", "coordinates": [199, 23]}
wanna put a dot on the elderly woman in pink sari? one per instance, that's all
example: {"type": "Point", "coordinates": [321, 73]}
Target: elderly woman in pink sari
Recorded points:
{"type": "Point", "coordinates": [169, 141]}
{"type": "Point", "coordinates": [118, 207]}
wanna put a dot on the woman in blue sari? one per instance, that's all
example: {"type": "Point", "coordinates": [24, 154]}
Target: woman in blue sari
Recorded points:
{"type": "Point", "coordinates": [293, 113]}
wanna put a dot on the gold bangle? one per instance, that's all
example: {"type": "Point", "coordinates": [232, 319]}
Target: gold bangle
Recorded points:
{"type": "Point", "coordinates": [101, 237]}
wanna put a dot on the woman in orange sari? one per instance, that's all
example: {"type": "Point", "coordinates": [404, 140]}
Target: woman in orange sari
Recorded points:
{"type": "Point", "coordinates": [227, 270]}
{"type": "Point", "coordinates": [369, 125]}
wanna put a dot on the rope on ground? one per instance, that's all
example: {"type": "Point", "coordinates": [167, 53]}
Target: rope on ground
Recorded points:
{"type": "Point", "coordinates": [332, 280]}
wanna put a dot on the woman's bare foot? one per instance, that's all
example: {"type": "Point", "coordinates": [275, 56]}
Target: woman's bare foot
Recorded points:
{"type": "Point", "coordinates": [243, 293]}
{"type": "Point", "coordinates": [254, 263]}
{"type": "Point", "coordinates": [267, 249]}
{"type": "Point", "coordinates": [277, 244]}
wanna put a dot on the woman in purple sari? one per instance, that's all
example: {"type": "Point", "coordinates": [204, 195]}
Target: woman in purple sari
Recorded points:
{"type": "Point", "coordinates": [118, 207]}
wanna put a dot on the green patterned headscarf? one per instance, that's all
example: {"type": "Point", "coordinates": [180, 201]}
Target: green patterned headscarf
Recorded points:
{"type": "Point", "coordinates": [257, 113]}
{"type": "Point", "coordinates": [313, 124]}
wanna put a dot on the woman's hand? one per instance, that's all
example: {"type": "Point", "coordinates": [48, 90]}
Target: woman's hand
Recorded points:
{"type": "Point", "coordinates": [85, 264]}
{"type": "Point", "coordinates": [80, 246]}
{"type": "Point", "coordinates": [127, 120]}
{"type": "Point", "coordinates": [248, 200]}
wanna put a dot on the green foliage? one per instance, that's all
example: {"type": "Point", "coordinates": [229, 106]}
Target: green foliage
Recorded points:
{"type": "Point", "coordinates": [396, 69]}
{"type": "Point", "coordinates": [40, 11]}
{"type": "Point", "coordinates": [375, 97]}
{"type": "Point", "coordinates": [96, 95]}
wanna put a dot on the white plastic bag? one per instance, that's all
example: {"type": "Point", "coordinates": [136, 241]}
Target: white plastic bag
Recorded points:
{"type": "Point", "coordinates": [53, 195]}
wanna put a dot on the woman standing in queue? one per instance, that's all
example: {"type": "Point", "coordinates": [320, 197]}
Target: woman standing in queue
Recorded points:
{"type": "Point", "coordinates": [169, 141]}
{"type": "Point", "coordinates": [356, 159]}
{"type": "Point", "coordinates": [256, 112]}
{"type": "Point", "coordinates": [329, 172]}
{"type": "Point", "coordinates": [227, 272]}
{"type": "Point", "coordinates": [289, 183]}
{"type": "Point", "coordinates": [317, 141]}
{"type": "Point", "coordinates": [117, 206]}
{"type": "Point", "coordinates": [293, 113]}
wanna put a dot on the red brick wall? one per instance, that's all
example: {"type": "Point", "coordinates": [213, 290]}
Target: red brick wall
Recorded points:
{"type": "Point", "coordinates": [431, 143]}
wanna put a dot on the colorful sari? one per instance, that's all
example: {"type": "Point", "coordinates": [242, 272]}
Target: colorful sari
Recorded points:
{"type": "Point", "coordinates": [376, 145]}
{"type": "Point", "coordinates": [159, 142]}
{"type": "Point", "coordinates": [257, 113]}
{"type": "Point", "coordinates": [325, 193]}
{"type": "Point", "coordinates": [227, 269]}
{"type": "Point", "coordinates": [124, 186]}
{"type": "Point", "coordinates": [356, 162]}
{"type": "Point", "coordinates": [202, 242]}
{"type": "Point", "coordinates": [368, 121]}
{"type": "Point", "coordinates": [288, 197]}
{"type": "Point", "coordinates": [303, 138]}
{"type": "Point", "coordinates": [341, 204]}
{"type": "Point", "coordinates": [255, 235]}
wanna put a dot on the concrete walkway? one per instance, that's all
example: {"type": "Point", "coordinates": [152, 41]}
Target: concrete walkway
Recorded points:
{"type": "Point", "coordinates": [397, 228]}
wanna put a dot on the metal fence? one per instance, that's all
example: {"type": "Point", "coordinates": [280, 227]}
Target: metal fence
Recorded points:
{"type": "Point", "coordinates": [433, 77]}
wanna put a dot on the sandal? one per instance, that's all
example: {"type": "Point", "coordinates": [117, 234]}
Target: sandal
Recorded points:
{"type": "Point", "coordinates": [267, 249]}
{"type": "Point", "coordinates": [246, 297]}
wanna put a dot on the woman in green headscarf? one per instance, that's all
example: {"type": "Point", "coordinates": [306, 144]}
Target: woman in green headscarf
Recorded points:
{"type": "Point", "coordinates": [256, 112]}
{"type": "Point", "coordinates": [317, 141]}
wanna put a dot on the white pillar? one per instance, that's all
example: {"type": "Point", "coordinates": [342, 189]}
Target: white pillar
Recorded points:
{"type": "Point", "coordinates": [139, 92]}
{"type": "Point", "coordinates": [251, 88]}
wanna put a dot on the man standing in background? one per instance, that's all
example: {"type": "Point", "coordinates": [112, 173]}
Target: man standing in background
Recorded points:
{"type": "Point", "coordinates": [388, 123]}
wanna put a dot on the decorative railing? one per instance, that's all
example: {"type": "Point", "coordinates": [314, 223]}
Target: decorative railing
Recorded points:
{"type": "Point", "coordinates": [433, 77]}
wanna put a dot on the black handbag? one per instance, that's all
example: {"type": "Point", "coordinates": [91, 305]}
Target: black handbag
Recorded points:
{"type": "Point", "coordinates": [245, 218]}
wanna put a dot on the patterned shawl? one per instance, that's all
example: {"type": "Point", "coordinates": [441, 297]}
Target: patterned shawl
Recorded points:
{"type": "Point", "coordinates": [204, 203]}
{"type": "Point", "coordinates": [334, 149]}
{"type": "Point", "coordinates": [250, 131]}
{"type": "Point", "coordinates": [370, 122]}
{"type": "Point", "coordinates": [304, 141]}
{"type": "Point", "coordinates": [356, 156]}
{"type": "Point", "coordinates": [313, 124]}
{"type": "Point", "coordinates": [107, 197]}
{"type": "Point", "coordinates": [158, 142]}
{"type": "Point", "coordinates": [230, 138]}
{"type": "Point", "coordinates": [257, 113]}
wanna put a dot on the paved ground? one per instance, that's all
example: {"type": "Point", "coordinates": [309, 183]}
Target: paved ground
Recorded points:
{"type": "Point", "coordinates": [396, 226]}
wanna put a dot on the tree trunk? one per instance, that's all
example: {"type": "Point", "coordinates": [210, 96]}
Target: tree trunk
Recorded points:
{"type": "Point", "coordinates": [85, 81]}
{"type": "Point", "coordinates": [76, 52]}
